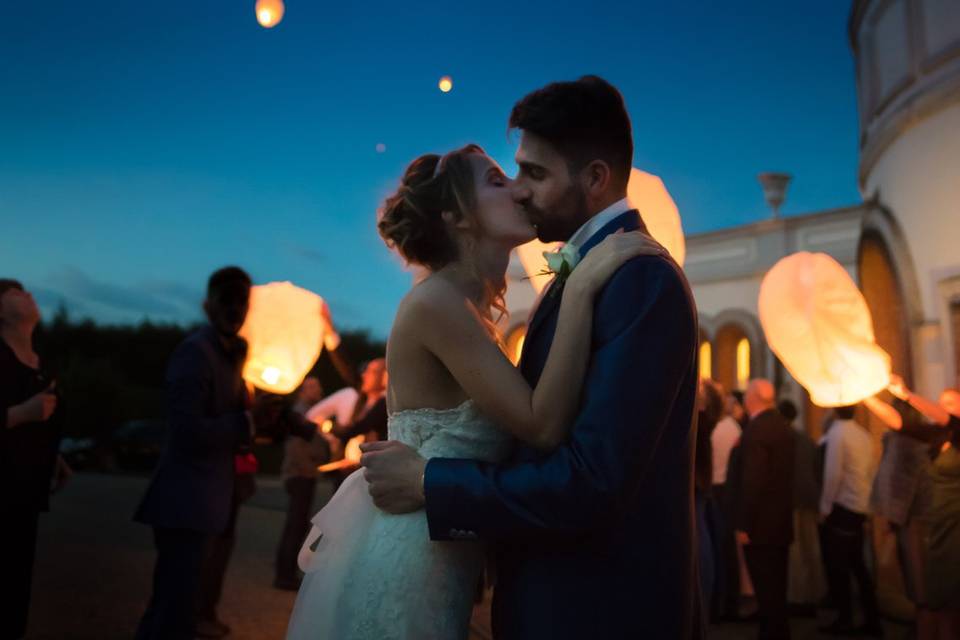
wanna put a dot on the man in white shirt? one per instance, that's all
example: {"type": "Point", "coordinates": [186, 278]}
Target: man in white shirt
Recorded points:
{"type": "Point", "coordinates": [847, 480]}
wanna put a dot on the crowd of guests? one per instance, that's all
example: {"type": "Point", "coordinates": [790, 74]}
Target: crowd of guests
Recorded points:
{"type": "Point", "coordinates": [783, 520]}
{"type": "Point", "coordinates": [207, 467]}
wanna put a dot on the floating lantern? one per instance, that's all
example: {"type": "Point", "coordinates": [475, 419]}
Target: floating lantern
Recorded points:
{"type": "Point", "coordinates": [817, 322]}
{"type": "Point", "coordinates": [269, 12]}
{"type": "Point", "coordinates": [445, 84]}
{"type": "Point", "coordinates": [647, 194]}
{"type": "Point", "coordinates": [284, 332]}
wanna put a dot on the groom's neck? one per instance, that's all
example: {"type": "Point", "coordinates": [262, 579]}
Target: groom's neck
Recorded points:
{"type": "Point", "coordinates": [600, 204]}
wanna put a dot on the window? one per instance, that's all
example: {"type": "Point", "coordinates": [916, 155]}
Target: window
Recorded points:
{"type": "Point", "coordinates": [743, 363]}
{"type": "Point", "coordinates": [706, 359]}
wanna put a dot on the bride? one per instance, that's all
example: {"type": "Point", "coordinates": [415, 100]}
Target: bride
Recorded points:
{"type": "Point", "coordinates": [370, 575]}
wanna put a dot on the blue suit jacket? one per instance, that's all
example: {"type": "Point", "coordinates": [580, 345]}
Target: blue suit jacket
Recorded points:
{"type": "Point", "coordinates": [596, 539]}
{"type": "Point", "coordinates": [192, 487]}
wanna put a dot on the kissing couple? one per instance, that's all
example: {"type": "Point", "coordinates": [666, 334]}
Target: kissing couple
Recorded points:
{"type": "Point", "coordinates": [573, 470]}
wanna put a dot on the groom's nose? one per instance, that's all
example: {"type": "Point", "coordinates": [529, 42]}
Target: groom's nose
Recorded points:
{"type": "Point", "coordinates": [520, 191]}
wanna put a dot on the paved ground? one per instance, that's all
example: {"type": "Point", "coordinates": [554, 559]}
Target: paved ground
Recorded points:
{"type": "Point", "coordinates": [94, 565]}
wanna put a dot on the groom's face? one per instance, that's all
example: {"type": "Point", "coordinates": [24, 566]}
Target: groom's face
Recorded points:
{"type": "Point", "coordinates": [552, 199]}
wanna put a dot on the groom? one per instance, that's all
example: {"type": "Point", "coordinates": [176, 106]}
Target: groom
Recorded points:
{"type": "Point", "coordinates": [596, 538]}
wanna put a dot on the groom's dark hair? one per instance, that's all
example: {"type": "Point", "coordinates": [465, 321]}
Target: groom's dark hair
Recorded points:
{"type": "Point", "coordinates": [585, 120]}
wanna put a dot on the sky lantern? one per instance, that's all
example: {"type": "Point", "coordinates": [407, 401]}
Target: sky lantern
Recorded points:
{"type": "Point", "coordinates": [650, 197]}
{"type": "Point", "coordinates": [817, 322]}
{"type": "Point", "coordinates": [269, 12]}
{"type": "Point", "coordinates": [445, 84]}
{"type": "Point", "coordinates": [284, 331]}
{"type": "Point", "coordinates": [646, 193]}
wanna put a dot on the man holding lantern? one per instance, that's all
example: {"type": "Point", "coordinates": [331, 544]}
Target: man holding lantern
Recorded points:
{"type": "Point", "coordinates": [190, 502]}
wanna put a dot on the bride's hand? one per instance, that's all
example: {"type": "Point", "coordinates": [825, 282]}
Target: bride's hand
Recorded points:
{"type": "Point", "coordinates": [592, 273]}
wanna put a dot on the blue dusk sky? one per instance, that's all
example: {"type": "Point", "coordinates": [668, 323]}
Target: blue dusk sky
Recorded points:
{"type": "Point", "coordinates": [144, 144]}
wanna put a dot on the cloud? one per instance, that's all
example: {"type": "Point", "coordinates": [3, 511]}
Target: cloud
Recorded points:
{"type": "Point", "coordinates": [102, 300]}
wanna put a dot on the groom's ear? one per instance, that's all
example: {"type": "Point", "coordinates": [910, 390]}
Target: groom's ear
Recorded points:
{"type": "Point", "coordinates": [596, 178]}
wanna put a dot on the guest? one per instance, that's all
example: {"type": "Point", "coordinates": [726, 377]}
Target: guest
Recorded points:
{"type": "Point", "coordinates": [736, 408]}
{"type": "Point", "coordinates": [940, 616]}
{"type": "Point", "coordinates": [356, 412]}
{"type": "Point", "coordinates": [848, 474]}
{"type": "Point", "coordinates": [725, 436]}
{"type": "Point", "coordinates": [806, 584]}
{"type": "Point", "coordinates": [709, 407]}
{"type": "Point", "coordinates": [191, 501]}
{"type": "Point", "coordinates": [29, 465]}
{"type": "Point", "coordinates": [299, 471]}
{"type": "Point", "coordinates": [765, 517]}
{"type": "Point", "coordinates": [903, 491]}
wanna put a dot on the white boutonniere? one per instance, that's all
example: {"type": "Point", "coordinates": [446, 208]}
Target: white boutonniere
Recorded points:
{"type": "Point", "coordinates": [561, 263]}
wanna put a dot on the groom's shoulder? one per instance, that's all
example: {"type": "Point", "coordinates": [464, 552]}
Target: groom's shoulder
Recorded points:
{"type": "Point", "coordinates": [644, 277]}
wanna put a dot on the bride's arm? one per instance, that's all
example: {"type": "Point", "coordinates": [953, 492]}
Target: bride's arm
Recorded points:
{"type": "Point", "coordinates": [451, 329]}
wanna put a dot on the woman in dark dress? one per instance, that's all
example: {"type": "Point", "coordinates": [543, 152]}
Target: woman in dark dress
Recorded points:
{"type": "Point", "coordinates": [29, 436]}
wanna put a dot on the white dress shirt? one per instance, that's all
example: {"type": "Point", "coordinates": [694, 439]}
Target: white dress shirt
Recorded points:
{"type": "Point", "coordinates": [597, 222]}
{"type": "Point", "coordinates": [723, 439]}
{"type": "Point", "coordinates": [339, 405]}
{"type": "Point", "coordinates": [849, 468]}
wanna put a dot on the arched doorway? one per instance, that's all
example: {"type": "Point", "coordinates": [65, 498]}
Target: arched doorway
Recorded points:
{"type": "Point", "coordinates": [884, 272]}
{"type": "Point", "coordinates": [733, 357]}
{"type": "Point", "coordinates": [884, 295]}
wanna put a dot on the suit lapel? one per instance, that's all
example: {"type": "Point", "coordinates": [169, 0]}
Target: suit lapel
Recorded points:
{"type": "Point", "coordinates": [628, 221]}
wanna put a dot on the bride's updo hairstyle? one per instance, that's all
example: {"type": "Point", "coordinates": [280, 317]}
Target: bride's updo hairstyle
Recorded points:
{"type": "Point", "coordinates": [412, 218]}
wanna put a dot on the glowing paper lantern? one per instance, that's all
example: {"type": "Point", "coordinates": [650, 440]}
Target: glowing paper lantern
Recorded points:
{"type": "Point", "coordinates": [269, 12]}
{"type": "Point", "coordinates": [648, 195]}
{"type": "Point", "coordinates": [817, 322]}
{"type": "Point", "coordinates": [284, 331]}
{"type": "Point", "coordinates": [445, 84]}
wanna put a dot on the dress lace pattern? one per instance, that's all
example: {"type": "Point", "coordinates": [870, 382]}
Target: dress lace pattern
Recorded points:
{"type": "Point", "coordinates": [374, 575]}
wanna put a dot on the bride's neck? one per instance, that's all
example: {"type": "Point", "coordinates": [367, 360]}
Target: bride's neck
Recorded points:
{"type": "Point", "coordinates": [480, 272]}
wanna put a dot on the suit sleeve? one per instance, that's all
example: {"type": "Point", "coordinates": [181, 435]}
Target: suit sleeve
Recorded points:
{"type": "Point", "coordinates": [189, 383]}
{"type": "Point", "coordinates": [643, 316]}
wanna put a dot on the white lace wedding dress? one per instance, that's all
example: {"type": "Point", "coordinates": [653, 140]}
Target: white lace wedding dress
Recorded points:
{"type": "Point", "coordinates": [375, 576]}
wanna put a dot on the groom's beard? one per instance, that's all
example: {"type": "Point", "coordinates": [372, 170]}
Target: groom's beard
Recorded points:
{"type": "Point", "coordinates": [559, 222]}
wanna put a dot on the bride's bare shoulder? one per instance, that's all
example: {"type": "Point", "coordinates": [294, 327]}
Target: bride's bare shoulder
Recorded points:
{"type": "Point", "coordinates": [431, 301]}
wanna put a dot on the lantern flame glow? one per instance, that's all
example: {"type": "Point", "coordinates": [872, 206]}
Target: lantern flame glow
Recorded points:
{"type": "Point", "coordinates": [445, 84]}
{"type": "Point", "coordinates": [269, 12]}
{"type": "Point", "coordinates": [818, 323]}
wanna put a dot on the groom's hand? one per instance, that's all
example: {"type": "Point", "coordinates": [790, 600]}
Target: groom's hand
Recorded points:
{"type": "Point", "coordinates": [395, 474]}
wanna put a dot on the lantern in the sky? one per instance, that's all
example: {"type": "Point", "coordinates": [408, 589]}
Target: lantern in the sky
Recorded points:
{"type": "Point", "coordinates": [284, 332]}
{"type": "Point", "coordinates": [269, 12]}
{"type": "Point", "coordinates": [647, 194]}
{"type": "Point", "coordinates": [446, 84]}
{"type": "Point", "coordinates": [817, 322]}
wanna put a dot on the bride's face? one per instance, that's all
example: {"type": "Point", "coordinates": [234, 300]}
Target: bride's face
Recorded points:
{"type": "Point", "coordinates": [500, 217]}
